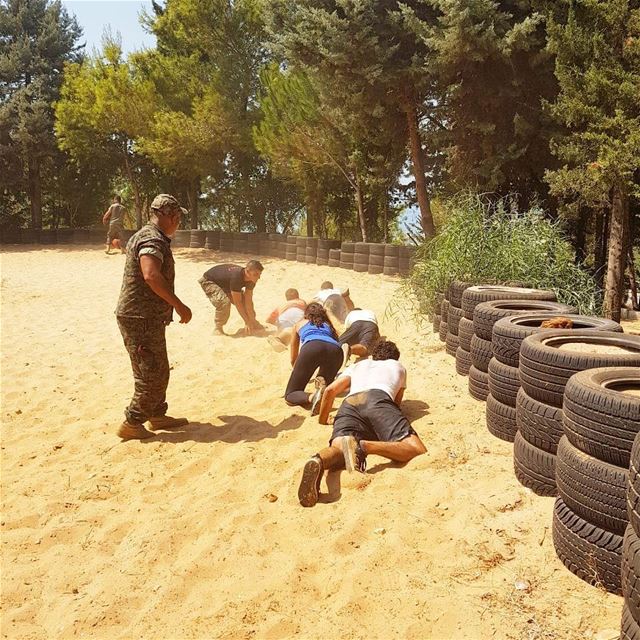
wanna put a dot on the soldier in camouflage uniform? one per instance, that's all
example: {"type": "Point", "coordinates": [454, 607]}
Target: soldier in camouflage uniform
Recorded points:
{"type": "Point", "coordinates": [145, 308]}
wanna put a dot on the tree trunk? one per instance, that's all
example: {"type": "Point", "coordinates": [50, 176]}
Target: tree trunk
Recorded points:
{"type": "Point", "coordinates": [385, 218]}
{"type": "Point", "coordinates": [600, 246]}
{"type": "Point", "coordinates": [35, 193]}
{"type": "Point", "coordinates": [136, 191]}
{"type": "Point", "coordinates": [417, 159]}
{"type": "Point", "coordinates": [618, 231]}
{"type": "Point", "coordinates": [633, 280]}
{"type": "Point", "coordinates": [193, 190]}
{"type": "Point", "coordinates": [581, 235]}
{"type": "Point", "coordinates": [360, 203]}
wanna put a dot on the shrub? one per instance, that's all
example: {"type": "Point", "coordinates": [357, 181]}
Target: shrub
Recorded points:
{"type": "Point", "coordinates": [493, 242]}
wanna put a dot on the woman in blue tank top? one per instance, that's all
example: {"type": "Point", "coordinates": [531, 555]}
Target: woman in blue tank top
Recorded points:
{"type": "Point", "coordinates": [314, 346]}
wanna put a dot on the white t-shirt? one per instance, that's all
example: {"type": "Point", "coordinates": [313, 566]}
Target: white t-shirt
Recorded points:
{"type": "Point", "coordinates": [360, 314]}
{"type": "Point", "coordinates": [289, 317]}
{"type": "Point", "coordinates": [323, 294]}
{"type": "Point", "coordinates": [387, 375]}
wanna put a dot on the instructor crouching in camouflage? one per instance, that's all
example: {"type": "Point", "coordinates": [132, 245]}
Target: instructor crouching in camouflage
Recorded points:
{"type": "Point", "coordinates": [145, 308]}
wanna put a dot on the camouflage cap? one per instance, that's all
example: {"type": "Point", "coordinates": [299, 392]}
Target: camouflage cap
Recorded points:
{"type": "Point", "coordinates": [165, 201]}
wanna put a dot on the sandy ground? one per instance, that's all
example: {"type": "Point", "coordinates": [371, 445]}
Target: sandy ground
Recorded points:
{"type": "Point", "coordinates": [177, 537]}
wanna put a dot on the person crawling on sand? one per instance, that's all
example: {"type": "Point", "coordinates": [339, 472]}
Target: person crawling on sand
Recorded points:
{"type": "Point", "coordinates": [227, 284]}
{"type": "Point", "coordinates": [337, 302]}
{"type": "Point", "coordinates": [145, 308]}
{"type": "Point", "coordinates": [369, 420]}
{"type": "Point", "coordinates": [314, 345]}
{"type": "Point", "coordinates": [285, 317]}
{"type": "Point", "coordinates": [360, 332]}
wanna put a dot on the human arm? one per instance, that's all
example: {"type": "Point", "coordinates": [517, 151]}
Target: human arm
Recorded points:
{"type": "Point", "coordinates": [338, 386]}
{"type": "Point", "coordinates": [273, 316]}
{"type": "Point", "coordinates": [106, 217]}
{"type": "Point", "coordinates": [251, 312]}
{"type": "Point", "coordinates": [347, 300]}
{"type": "Point", "coordinates": [150, 267]}
{"type": "Point", "coordinates": [239, 299]}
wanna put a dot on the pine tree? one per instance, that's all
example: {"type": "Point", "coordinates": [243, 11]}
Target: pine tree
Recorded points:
{"type": "Point", "coordinates": [37, 38]}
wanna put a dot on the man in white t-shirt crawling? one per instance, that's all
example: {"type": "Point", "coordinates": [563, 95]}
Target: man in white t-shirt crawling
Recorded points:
{"type": "Point", "coordinates": [337, 303]}
{"type": "Point", "coordinates": [360, 334]}
{"type": "Point", "coordinates": [369, 420]}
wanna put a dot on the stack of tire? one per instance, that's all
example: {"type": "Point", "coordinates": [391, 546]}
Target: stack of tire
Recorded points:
{"type": "Point", "coordinates": [253, 245]}
{"type": "Point", "coordinates": [631, 542]}
{"type": "Point", "coordinates": [437, 317]}
{"type": "Point", "coordinates": [212, 240]}
{"type": "Point", "coordinates": [376, 258]}
{"type": "Point", "coordinates": [182, 238]}
{"type": "Point", "coordinates": [405, 259]}
{"type": "Point", "coordinates": [301, 248]}
{"type": "Point", "coordinates": [50, 236]}
{"type": "Point", "coordinates": [196, 239]}
{"type": "Point", "coordinates": [347, 251]}
{"type": "Point", "coordinates": [601, 419]}
{"type": "Point", "coordinates": [80, 236]}
{"type": "Point", "coordinates": [361, 257]}
{"type": "Point", "coordinates": [443, 329]}
{"type": "Point", "coordinates": [454, 313]}
{"type": "Point", "coordinates": [282, 247]}
{"type": "Point", "coordinates": [547, 360]}
{"type": "Point", "coordinates": [480, 349]}
{"type": "Point", "coordinates": [334, 257]}
{"type": "Point", "coordinates": [312, 250]}
{"type": "Point", "coordinates": [391, 265]}
{"type": "Point", "coordinates": [290, 252]}
{"type": "Point", "coordinates": [504, 380]}
{"type": "Point", "coordinates": [226, 241]}
{"type": "Point", "coordinates": [239, 242]}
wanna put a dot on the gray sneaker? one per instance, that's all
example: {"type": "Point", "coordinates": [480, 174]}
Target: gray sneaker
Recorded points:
{"type": "Point", "coordinates": [355, 459]}
{"type": "Point", "coordinates": [316, 398]}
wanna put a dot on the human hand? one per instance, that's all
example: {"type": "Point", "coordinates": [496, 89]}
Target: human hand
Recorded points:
{"type": "Point", "coordinates": [184, 312]}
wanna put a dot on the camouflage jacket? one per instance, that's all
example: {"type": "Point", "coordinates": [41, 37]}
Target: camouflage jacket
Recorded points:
{"type": "Point", "coordinates": [137, 300]}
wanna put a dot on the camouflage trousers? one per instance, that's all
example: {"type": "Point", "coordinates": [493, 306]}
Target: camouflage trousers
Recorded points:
{"type": "Point", "coordinates": [219, 299]}
{"type": "Point", "coordinates": [145, 342]}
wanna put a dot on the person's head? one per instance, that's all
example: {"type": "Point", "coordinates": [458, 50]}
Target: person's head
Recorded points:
{"type": "Point", "coordinates": [326, 285]}
{"type": "Point", "coordinates": [253, 270]}
{"type": "Point", "coordinates": [385, 350]}
{"type": "Point", "coordinates": [117, 199]}
{"type": "Point", "coordinates": [291, 294]}
{"type": "Point", "coordinates": [166, 211]}
{"type": "Point", "coordinates": [316, 314]}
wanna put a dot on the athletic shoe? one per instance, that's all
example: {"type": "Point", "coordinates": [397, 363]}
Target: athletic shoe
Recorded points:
{"type": "Point", "coordinates": [316, 398]}
{"type": "Point", "coordinates": [166, 422]}
{"type": "Point", "coordinates": [277, 344]}
{"type": "Point", "coordinates": [309, 488]}
{"type": "Point", "coordinates": [346, 352]}
{"type": "Point", "coordinates": [355, 459]}
{"type": "Point", "coordinates": [133, 431]}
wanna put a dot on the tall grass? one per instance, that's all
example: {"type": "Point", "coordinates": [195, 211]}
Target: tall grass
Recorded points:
{"type": "Point", "coordinates": [484, 243]}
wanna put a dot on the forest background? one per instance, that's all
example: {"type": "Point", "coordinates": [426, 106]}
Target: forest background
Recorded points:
{"type": "Point", "coordinates": [331, 117]}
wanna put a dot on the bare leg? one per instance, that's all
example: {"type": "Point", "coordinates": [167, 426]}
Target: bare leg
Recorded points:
{"type": "Point", "coordinates": [332, 456]}
{"type": "Point", "coordinates": [402, 451]}
{"type": "Point", "coordinates": [107, 248]}
{"type": "Point", "coordinates": [360, 350]}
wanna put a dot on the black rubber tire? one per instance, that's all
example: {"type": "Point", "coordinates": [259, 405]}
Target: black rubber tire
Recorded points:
{"type": "Point", "coordinates": [465, 333]}
{"type": "Point", "coordinates": [376, 260]}
{"type": "Point", "coordinates": [589, 552]}
{"type": "Point", "coordinates": [534, 468]}
{"type": "Point", "coordinates": [436, 323]}
{"type": "Point", "coordinates": [475, 295]}
{"type": "Point", "coordinates": [478, 384]}
{"type": "Point", "coordinates": [486, 314]}
{"type": "Point", "coordinates": [444, 310]}
{"type": "Point", "coordinates": [390, 271]}
{"type": "Point", "coordinates": [361, 258]}
{"type": "Point", "coordinates": [442, 331]}
{"type": "Point", "coordinates": [501, 419]}
{"type": "Point", "coordinates": [630, 572]}
{"type": "Point", "coordinates": [362, 248]}
{"type": "Point", "coordinates": [453, 318]}
{"type": "Point", "coordinates": [509, 333]}
{"type": "Point", "coordinates": [452, 344]}
{"type": "Point", "coordinates": [599, 418]}
{"type": "Point", "coordinates": [334, 254]}
{"type": "Point", "coordinates": [456, 289]}
{"type": "Point", "coordinates": [633, 490]}
{"type": "Point", "coordinates": [391, 250]}
{"type": "Point", "coordinates": [481, 353]}
{"type": "Point", "coordinates": [545, 368]}
{"type": "Point", "coordinates": [504, 382]}
{"type": "Point", "coordinates": [348, 247]}
{"type": "Point", "coordinates": [376, 249]}
{"type": "Point", "coordinates": [391, 261]}
{"type": "Point", "coordinates": [595, 490]}
{"type": "Point", "coordinates": [463, 362]}
{"type": "Point", "coordinates": [540, 424]}
{"type": "Point", "coordinates": [630, 629]}
{"type": "Point", "coordinates": [360, 268]}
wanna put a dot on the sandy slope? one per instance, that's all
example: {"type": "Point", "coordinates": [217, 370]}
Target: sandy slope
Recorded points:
{"type": "Point", "coordinates": [176, 537]}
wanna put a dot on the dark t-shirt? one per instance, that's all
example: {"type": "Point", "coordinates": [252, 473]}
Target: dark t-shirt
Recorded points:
{"type": "Point", "coordinates": [117, 214]}
{"type": "Point", "coordinates": [229, 277]}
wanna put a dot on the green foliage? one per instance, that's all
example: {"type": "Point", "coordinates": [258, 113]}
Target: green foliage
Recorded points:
{"type": "Point", "coordinates": [484, 243]}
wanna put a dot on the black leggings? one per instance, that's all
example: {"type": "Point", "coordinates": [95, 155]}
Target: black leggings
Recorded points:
{"type": "Point", "coordinates": [313, 354]}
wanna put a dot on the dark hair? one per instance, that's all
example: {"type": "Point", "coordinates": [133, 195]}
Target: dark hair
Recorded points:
{"type": "Point", "coordinates": [291, 294]}
{"type": "Point", "coordinates": [117, 198]}
{"type": "Point", "coordinates": [315, 313]}
{"type": "Point", "coordinates": [385, 350]}
{"type": "Point", "coordinates": [254, 265]}
{"type": "Point", "coordinates": [326, 285]}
